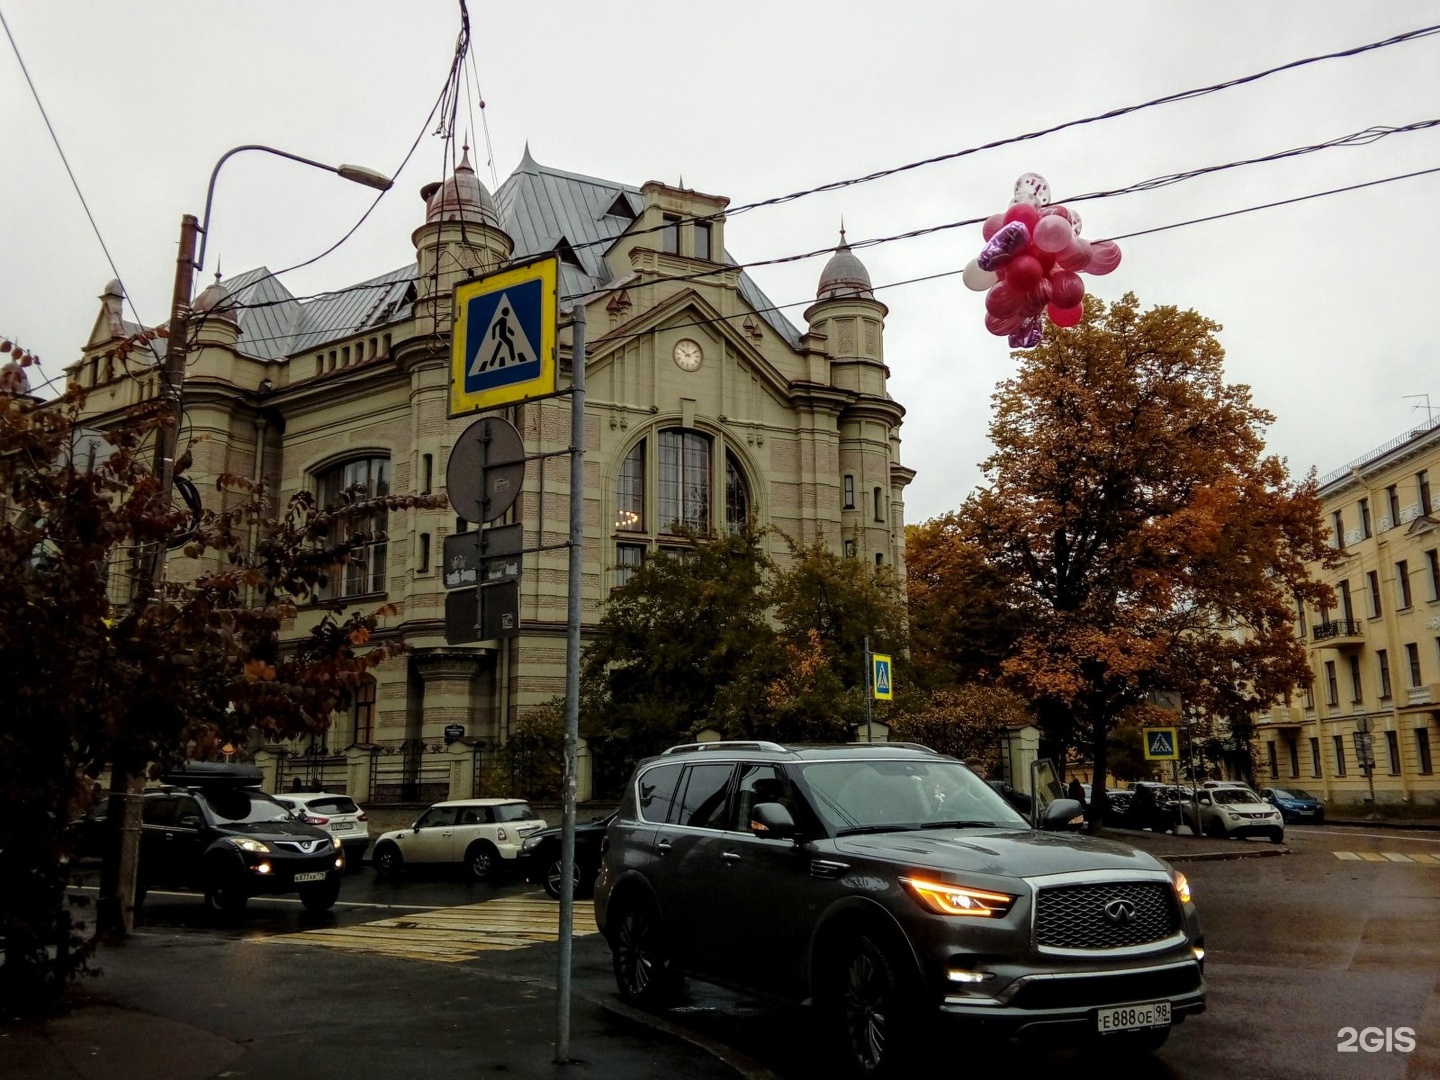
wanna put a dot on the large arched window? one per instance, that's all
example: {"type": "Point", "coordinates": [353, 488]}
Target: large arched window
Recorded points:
{"type": "Point", "coordinates": [363, 478]}
{"type": "Point", "coordinates": [666, 485]}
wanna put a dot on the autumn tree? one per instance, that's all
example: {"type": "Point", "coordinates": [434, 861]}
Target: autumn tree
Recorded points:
{"type": "Point", "coordinates": [967, 721]}
{"type": "Point", "coordinates": [1152, 543]}
{"type": "Point", "coordinates": [84, 685]}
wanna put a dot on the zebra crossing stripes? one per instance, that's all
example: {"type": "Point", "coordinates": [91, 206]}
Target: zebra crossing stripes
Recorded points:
{"type": "Point", "coordinates": [451, 935]}
{"type": "Point", "coordinates": [1425, 858]}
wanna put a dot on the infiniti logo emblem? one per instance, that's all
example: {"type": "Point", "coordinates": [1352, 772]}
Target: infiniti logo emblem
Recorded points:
{"type": "Point", "coordinates": [1120, 912]}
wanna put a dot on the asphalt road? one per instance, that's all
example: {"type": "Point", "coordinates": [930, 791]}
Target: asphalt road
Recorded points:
{"type": "Point", "coordinates": [1343, 932]}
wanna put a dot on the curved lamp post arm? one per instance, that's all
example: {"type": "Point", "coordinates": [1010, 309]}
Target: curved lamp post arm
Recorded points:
{"type": "Point", "coordinates": [357, 174]}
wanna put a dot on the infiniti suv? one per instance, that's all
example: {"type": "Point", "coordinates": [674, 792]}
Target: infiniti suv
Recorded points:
{"type": "Point", "coordinates": [890, 887]}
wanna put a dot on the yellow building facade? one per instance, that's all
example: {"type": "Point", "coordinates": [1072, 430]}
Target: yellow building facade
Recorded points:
{"type": "Point", "coordinates": [705, 407]}
{"type": "Point", "coordinates": [1375, 655]}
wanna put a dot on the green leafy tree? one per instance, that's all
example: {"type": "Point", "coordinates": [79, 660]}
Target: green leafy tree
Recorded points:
{"type": "Point", "coordinates": [1130, 503]}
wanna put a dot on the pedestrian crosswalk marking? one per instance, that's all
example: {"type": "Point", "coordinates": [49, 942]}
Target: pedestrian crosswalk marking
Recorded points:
{"type": "Point", "coordinates": [453, 934]}
{"type": "Point", "coordinates": [1389, 856]}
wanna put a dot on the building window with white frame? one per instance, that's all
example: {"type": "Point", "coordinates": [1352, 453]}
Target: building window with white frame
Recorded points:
{"type": "Point", "coordinates": [359, 480]}
{"type": "Point", "coordinates": [628, 559]}
{"type": "Point", "coordinates": [849, 492]}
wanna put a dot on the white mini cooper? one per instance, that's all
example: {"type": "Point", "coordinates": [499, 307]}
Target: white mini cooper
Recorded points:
{"type": "Point", "coordinates": [476, 833]}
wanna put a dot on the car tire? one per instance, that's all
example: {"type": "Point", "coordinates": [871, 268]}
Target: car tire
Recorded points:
{"type": "Point", "coordinates": [1216, 830]}
{"type": "Point", "coordinates": [872, 1011]}
{"type": "Point", "coordinates": [1277, 836]}
{"type": "Point", "coordinates": [645, 972]}
{"type": "Point", "coordinates": [222, 896]}
{"type": "Point", "coordinates": [553, 875]}
{"type": "Point", "coordinates": [320, 897]}
{"type": "Point", "coordinates": [388, 861]}
{"type": "Point", "coordinates": [1137, 1042]}
{"type": "Point", "coordinates": [482, 861]}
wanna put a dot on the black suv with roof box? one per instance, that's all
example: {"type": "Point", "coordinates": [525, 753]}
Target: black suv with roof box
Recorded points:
{"type": "Point", "coordinates": [890, 887]}
{"type": "Point", "coordinates": [213, 829]}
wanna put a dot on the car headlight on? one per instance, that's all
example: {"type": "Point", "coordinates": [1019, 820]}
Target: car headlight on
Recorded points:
{"type": "Point", "coordinates": [531, 843]}
{"type": "Point", "coordinates": [947, 899]}
{"type": "Point", "coordinates": [1182, 887]}
{"type": "Point", "coordinates": [244, 843]}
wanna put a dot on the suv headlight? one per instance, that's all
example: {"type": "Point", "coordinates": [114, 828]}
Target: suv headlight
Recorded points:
{"type": "Point", "coordinates": [531, 843]}
{"type": "Point", "coordinates": [244, 843]}
{"type": "Point", "coordinates": [1182, 887]}
{"type": "Point", "coordinates": [958, 900]}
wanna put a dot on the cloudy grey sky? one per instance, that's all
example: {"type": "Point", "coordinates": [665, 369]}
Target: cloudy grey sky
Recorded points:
{"type": "Point", "coordinates": [1327, 306]}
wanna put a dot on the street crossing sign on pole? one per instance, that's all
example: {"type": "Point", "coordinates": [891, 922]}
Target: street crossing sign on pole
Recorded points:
{"type": "Point", "coordinates": [503, 345]}
{"type": "Point", "coordinates": [880, 677]}
{"type": "Point", "coordinates": [1161, 744]}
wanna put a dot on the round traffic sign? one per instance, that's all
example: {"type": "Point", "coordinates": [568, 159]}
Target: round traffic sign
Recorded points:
{"type": "Point", "coordinates": [486, 469]}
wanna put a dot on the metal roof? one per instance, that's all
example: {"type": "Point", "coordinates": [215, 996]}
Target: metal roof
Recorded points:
{"type": "Point", "coordinates": [275, 325]}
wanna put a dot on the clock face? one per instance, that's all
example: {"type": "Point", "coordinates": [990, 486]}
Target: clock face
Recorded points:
{"type": "Point", "coordinates": [688, 355]}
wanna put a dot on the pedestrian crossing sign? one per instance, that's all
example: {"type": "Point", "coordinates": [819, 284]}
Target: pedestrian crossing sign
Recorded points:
{"type": "Point", "coordinates": [503, 345]}
{"type": "Point", "coordinates": [880, 672]}
{"type": "Point", "coordinates": [1161, 744]}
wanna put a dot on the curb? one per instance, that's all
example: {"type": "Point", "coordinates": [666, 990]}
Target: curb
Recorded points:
{"type": "Point", "coordinates": [1366, 823]}
{"type": "Point", "coordinates": [1226, 856]}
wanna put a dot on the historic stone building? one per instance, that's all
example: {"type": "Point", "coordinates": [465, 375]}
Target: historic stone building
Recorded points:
{"type": "Point", "coordinates": [705, 407]}
{"type": "Point", "coordinates": [1376, 655]}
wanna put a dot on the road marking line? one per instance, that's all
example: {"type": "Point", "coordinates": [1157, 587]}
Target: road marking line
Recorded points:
{"type": "Point", "coordinates": [1395, 856]}
{"type": "Point", "coordinates": [1372, 856]}
{"type": "Point", "coordinates": [1347, 855]}
{"type": "Point", "coordinates": [450, 935]}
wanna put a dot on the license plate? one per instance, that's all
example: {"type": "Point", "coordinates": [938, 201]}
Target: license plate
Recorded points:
{"type": "Point", "coordinates": [319, 875]}
{"type": "Point", "coordinates": [1146, 1014]}
{"type": "Point", "coordinates": [341, 826]}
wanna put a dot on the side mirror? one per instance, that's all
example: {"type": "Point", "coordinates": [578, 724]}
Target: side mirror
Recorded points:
{"type": "Point", "coordinates": [772, 821]}
{"type": "Point", "coordinates": [1204, 800]}
{"type": "Point", "coordinates": [1060, 813]}
{"type": "Point", "coordinates": [415, 827]}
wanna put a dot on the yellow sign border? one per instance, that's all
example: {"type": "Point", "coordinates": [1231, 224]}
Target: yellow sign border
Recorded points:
{"type": "Point", "coordinates": [1174, 755]}
{"type": "Point", "coordinates": [875, 658]}
{"type": "Point", "coordinates": [546, 270]}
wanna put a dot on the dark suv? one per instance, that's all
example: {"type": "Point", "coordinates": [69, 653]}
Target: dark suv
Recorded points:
{"type": "Point", "coordinates": [212, 830]}
{"type": "Point", "coordinates": [888, 885]}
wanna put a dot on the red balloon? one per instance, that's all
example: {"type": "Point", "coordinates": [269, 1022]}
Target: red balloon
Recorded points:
{"type": "Point", "coordinates": [1004, 327]}
{"type": "Point", "coordinates": [1076, 256]}
{"type": "Point", "coordinates": [1067, 288]}
{"type": "Point", "coordinates": [1023, 212]}
{"type": "Point", "coordinates": [1003, 300]}
{"type": "Point", "coordinates": [1052, 211]}
{"type": "Point", "coordinates": [1104, 257]}
{"type": "Point", "coordinates": [1038, 295]}
{"type": "Point", "coordinates": [1023, 271]}
{"type": "Point", "coordinates": [1065, 316]}
{"type": "Point", "coordinates": [992, 225]}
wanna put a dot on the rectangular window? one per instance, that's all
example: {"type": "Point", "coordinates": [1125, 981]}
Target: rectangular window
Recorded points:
{"type": "Point", "coordinates": [1332, 687]}
{"type": "Point", "coordinates": [1412, 655]}
{"type": "Point", "coordinates": [427, 473]}
{"type": "Point", "coordinates": [630, 492]}
{"type": "Point", "coordinates": [628, 559]}
{"type": "Point", "coordinates": [1372, 578]}
{"type": "Point", "coordinates": [363, 569]}
{"type": "Point", "coordinates": [1339, 754]}
{"type": "Point", "coordinates": [1337, 522]}
{"type": "Point", "coordinates": [879, 505]}
{"type": "Point", "coordinates": [1382, 662]}
{"type": "Point", "coordinates": [1422, 490]}
{"type": "Point", "coordinates": [702, 240]}
{"type": "Point", "coordinates": [1355, 686]}
{"type": "Point", "coordinates": [1422, 750]}
{"type": "Point", "coordinates": [1309, 697]}
{"type": "Point", "coordinates": [1300, 615]}
{"type": "Point", "coordinates": [1314, 756]}
{"type": "Point", "coordinates": [1402, 584]}
{"type": "Point", "coordinates": [365, 711]}
{"type": "Point", "coordinates": [684, 489]}
{"type": "Point", "coordinates": [879, 559]}
{"type": "Point", "coordinates": [424, 553]}
{"type": "Point", "coordinates": [1392, 500]}
{"type": "Point", "coordinates": [670, 234]}
{"type": "Point", "coordinates": [1270, 759]}
{"type": "Point", "coordinates": [1292, 745]}
{"type": "Point", "coordinates": [849, 493]}
{"type": "Point", "coordinates": [849, 549]}
{"type": "Point", "coordinates": [1392, 744]}
{"type": "Point", "coordinates": [1365, 518]}
{"type": "Point", "coordinates": [1432, 558]}
{"type": "Point", "coordinates": [1347, 608]}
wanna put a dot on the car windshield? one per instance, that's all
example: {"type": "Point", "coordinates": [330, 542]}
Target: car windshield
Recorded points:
{"type": "Point", "coordinates": [515, 812]}
{"type": "Point", "coordinates": [241, 807]}
{"type": "Point", "coordinates": [1233, 796]}
{"type": "Point", "coordinates": [1292, 793]}
{"type": "Point", "coordinates": [877, 796]}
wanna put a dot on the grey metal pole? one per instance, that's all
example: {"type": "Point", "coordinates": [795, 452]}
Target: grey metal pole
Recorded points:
{"type": "Point", "coordinates": [572, 679]}
{"type": "Point", "coordinates": [869, 691]}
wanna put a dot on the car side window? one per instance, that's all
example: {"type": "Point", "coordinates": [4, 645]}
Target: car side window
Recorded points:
{"type": "Point", "coordinates": [186, 807]}
{"type": "Point", "coordinates": [437, 816]}
{"type": "Point", "coordinates": [158, 811]}
{"type": "Point", "coordinates": [703, 804]}
{"type": "Point", "coordinates": [757, 784]}
{"type": "Point", "coordinates": [655, 791]}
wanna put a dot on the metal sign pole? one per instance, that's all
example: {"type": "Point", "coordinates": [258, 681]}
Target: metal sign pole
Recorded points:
{"type": "Point", "coordinates": [869, 691]}
{"type": "Point", "coordinates": [572, 679]}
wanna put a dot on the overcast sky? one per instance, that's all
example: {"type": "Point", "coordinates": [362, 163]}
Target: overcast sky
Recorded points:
{"type": "Point", "coordinates": [1328, 307]}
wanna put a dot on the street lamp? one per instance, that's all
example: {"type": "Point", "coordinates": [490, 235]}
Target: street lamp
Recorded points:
{"type": "Point", "coordinates": [115, 909]}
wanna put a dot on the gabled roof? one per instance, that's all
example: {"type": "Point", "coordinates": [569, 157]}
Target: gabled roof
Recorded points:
{"type": "Point", "coordinates": [274, 324]}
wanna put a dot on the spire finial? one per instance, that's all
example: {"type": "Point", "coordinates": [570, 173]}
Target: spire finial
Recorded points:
{"type": "Point", "coordinates": [842, 230]}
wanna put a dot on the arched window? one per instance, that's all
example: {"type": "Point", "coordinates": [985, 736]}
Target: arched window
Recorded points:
{"type": "Point", "coordinates": [737, 496]}
{"type": "Point", "coordinates": [630, 492]}
{"type": "Point", "coordinates": [354, 481]}
{"type": "Point", "coordinates": [684, 491]}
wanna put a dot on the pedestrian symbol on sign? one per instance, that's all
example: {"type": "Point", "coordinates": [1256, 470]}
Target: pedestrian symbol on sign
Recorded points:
{"type": "Point", "coordinates": [1161, 744]}
{"type": "Point", "coordinates": [880, 672]}
{"type": "Point", "coordinates": [505, 343]}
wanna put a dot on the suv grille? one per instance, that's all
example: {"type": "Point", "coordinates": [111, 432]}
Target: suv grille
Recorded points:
{"type": "Point", "coordinates": [1112, 915]}
{"type": "Point", "coordinates": [1107, 989]}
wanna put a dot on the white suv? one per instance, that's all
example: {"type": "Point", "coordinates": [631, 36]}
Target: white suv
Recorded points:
{"type": "Point", "coordinates": [336, 814]}
{"type": "Point", "coordinates": [1232, 811]}
{"type": "Point", "coordinates": [477, 833]}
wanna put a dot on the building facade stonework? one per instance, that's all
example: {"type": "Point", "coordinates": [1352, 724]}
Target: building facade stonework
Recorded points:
{"type": "Point", "coordinates": [1375, 656]}
{"type": "Point", "coordinates": [705, 408]}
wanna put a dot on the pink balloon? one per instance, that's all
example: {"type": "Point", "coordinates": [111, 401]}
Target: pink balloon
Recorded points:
{"type": "Point", "coordinates": [1076, 256]}
{"type": "Point", "coordinates": [1067, 288]}
{"type": "Point", "coordinates": [1023, 272]}
{"type": "Point", "coordinates": [1004, 327]}
{"type": "Point", "coordinates": [1024, 213]}
{"type": "Point", "coordinates": [1054, 211]}
{"type": "Point", "coordinates": [1053, 234]}
{"type": "Point", "coordinates": [1065, 316]}
{"type": "Point", "coordinates": [1104, 257]}
{"type": "Point", "coordinates": [992, 225]}
{"type": "Point", "coordinates": [1003, 300]}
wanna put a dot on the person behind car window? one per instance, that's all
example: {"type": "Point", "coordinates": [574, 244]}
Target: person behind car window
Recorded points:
{"type": "Point", "coordinates": [1076, 792]}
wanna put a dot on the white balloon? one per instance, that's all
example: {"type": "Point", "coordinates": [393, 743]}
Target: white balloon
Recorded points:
{"type": "Point", "coordinates": [1031, 188]}
{"type": "Point", "coordinates": [977, 280]}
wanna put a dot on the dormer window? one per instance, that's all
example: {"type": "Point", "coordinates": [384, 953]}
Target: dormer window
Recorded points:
{"type": "Point", "coordinates": [621, 208]}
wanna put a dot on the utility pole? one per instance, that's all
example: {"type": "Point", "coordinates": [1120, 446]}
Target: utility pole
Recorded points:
{"type": "Point", "coordinates": [115, 909]}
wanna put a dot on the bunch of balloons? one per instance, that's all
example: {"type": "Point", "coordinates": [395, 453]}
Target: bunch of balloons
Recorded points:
{"type": "Point", "coordinates": [1031, 265]}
